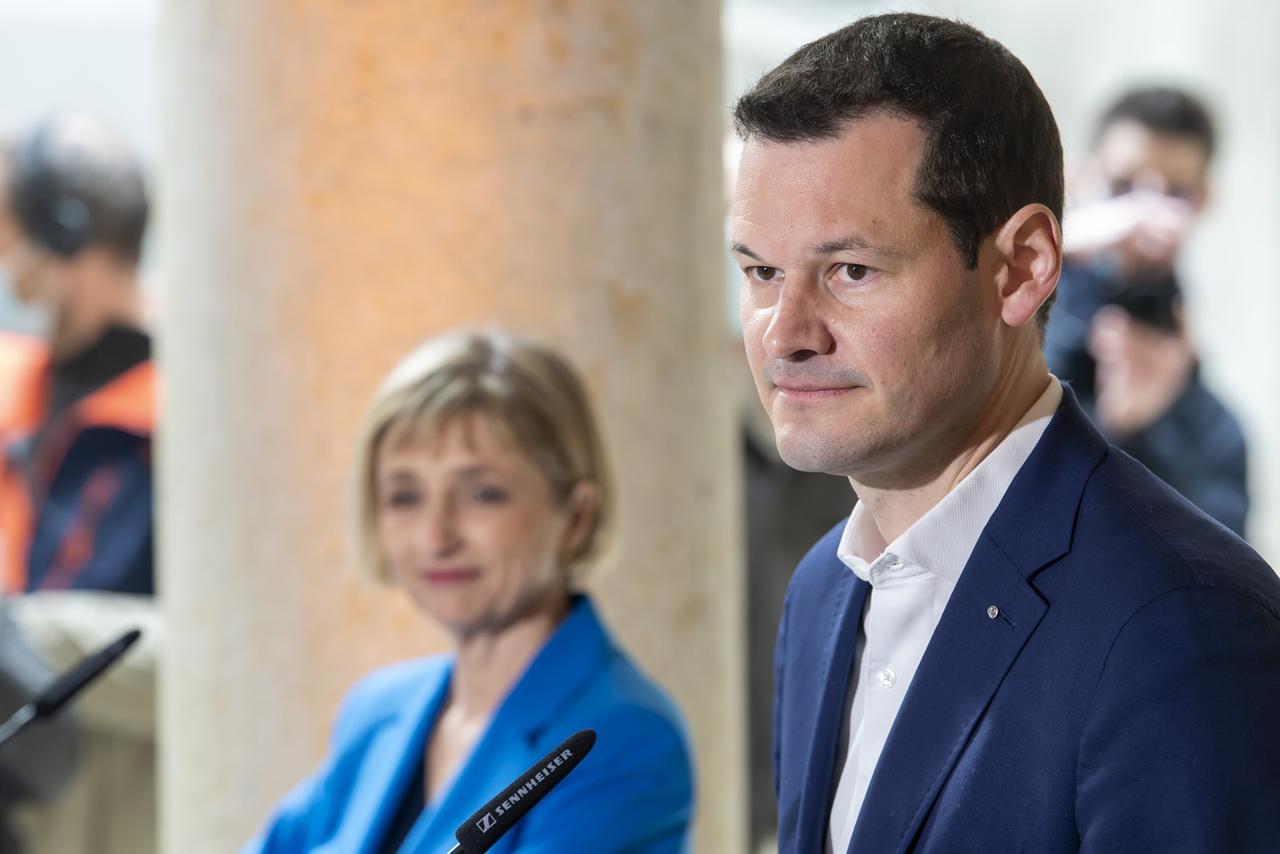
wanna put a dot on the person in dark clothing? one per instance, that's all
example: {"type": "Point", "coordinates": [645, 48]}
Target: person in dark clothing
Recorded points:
{"type": "Point", "coordinates": [1117, 333]}
{"type": "Point", "coordinates": [77, 413]}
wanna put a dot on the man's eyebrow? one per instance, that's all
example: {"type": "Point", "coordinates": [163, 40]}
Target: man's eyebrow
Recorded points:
{"type": "Point", "coordinates": [853, 243]}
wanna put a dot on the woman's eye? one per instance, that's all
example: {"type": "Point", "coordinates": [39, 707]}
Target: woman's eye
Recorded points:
{"type": "Point", "coordinates": [762, 274]}
{"type": "Point", "coordinates": [853, 272]}
{"type": "Point", "coordinates": [403, 498]}
{"type": "Point", "coordinates": [489, 495]}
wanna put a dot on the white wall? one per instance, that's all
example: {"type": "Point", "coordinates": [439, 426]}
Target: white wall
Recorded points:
{"type": "Point", "coordinates": [96, 56]}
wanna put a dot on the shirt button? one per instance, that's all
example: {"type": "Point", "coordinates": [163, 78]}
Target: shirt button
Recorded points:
{"type": "Point", "coordinates": [885, 677]}
{"type": "Point", "coordinates": [892, 562]}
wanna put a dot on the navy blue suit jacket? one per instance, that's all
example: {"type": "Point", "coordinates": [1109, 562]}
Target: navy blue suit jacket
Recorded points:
{"type": "Point", "coordinates": [1125, 697]}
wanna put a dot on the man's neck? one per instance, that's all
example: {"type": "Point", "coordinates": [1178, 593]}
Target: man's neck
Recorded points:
{"type": "Point", "coordinates": [79, 327]}
{"type": "Point", "coordinates": [894, 511]}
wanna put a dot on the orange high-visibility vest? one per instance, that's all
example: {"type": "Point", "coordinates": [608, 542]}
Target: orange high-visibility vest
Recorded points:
{"type": "Point", "coordinates": [127, 403]}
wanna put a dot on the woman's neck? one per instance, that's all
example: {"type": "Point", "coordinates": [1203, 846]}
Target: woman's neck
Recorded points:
{"type": "Point", "coordinates": [488, 664]}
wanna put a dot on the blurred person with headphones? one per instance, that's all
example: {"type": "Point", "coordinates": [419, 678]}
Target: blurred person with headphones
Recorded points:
{"type": "Point", "coordinates": [77, 415]}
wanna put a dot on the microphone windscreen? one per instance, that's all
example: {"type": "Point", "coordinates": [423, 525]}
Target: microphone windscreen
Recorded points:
{"type": "Point", "coordinates": [70, 683]}
{"type": "Point", "coordinates": [486, 826]}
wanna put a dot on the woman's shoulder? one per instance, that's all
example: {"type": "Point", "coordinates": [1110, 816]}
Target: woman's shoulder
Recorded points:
{"type": "Point", "coordinates": [385, 693]}
{"type": "Point", "coordinates": [637, 786]}
{"type": "Point", "coordinates": [612, 684]}
{"type": "Point", "coordinates": [632, 693]}
{"type": "Point", "coordinates": [626, 707]}
{"type": "Point", "coordinates": [629, 709]}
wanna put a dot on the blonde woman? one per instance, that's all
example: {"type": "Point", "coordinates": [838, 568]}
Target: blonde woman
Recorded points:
{"type": "Point", "coordinates": [481, 491]}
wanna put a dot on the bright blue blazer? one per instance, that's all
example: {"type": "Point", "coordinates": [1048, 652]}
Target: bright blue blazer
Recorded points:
{"type": "Point", "coordinates": [632, 793]}
{"type": "Point", "coordinates": [1124, 697]}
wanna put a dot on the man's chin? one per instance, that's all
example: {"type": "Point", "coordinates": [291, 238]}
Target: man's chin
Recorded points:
{"type": "Point", "coordinates": [813, 454]}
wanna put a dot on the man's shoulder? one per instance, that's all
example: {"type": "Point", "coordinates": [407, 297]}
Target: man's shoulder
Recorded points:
{"type": "Point", "coordinates": [1142, 540]}
{"type": "Point", "coordinates": [1200, 411]}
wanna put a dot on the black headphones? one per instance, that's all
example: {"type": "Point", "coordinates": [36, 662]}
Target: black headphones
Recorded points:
{"type": "Point", "coordinates": [50, 213]}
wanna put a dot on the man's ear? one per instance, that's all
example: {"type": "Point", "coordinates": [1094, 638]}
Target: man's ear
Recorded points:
{"type": "Point", "coordinates": [1029, 245]}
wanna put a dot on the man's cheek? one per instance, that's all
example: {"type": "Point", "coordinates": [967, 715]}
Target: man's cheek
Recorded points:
{"type": "Point", "coordinates": [753, 331]}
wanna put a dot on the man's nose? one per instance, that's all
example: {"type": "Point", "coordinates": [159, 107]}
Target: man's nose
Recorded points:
{"type": "Point", "coordinates": [797, 328]}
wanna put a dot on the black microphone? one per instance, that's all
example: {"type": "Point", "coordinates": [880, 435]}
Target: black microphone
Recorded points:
{"type": "Point", "coordinates": [67, 686]}
{"type": "Point", "coordinates": [478, 833]}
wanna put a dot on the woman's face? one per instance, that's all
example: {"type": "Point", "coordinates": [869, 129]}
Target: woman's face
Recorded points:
{"type": "Point", "coordinates": [471, 529]}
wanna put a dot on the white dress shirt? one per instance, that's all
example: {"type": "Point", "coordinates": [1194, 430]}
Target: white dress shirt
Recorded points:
{"type": "Point", "coordinates": [911, 580]}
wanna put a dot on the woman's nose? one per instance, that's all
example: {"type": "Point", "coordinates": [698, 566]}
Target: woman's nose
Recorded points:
{"type": "Point", "coordinates": [439, 530]}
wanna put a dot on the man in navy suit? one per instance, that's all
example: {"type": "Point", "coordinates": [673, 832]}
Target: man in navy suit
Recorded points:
{"type": "Point", "coordinates": [1021, 640]}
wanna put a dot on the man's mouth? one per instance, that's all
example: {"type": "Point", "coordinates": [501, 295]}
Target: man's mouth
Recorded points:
{"type": "Point", "coordinates": [806, 392]}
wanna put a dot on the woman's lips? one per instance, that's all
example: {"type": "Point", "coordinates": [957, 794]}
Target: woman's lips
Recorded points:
{"type": "Point", "coordinates": [449, 575]}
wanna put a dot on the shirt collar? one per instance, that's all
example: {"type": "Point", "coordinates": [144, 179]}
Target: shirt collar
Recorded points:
{"type": "Point", "coordinates": [941, 540]}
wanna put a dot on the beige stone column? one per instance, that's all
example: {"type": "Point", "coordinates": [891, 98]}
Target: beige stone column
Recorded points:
{"type": "Point", "coordinates": [342, 179]}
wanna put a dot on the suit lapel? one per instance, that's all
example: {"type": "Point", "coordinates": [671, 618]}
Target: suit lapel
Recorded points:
{"type": "Point", "coordinates": [842, 619]}
{"type": "Point", "coordinates": [987, 622]}
{"type": "Point", "coordinates": [964, 664]}
{"type": "Point", "coordinates": [390, 763]}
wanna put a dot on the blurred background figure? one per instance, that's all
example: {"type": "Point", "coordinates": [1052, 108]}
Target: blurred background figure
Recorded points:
{"type": "Point", "coordinates": [78, 418]}
{"type": "Point", "coordinates": [1118, 333]}
{"type": "Point", "coordinates": [482, 491]}
{"type": "Point", "coordinates": [77, 415]}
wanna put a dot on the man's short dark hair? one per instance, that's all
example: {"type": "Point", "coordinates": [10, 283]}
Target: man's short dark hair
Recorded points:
{"type": "Point", "coordinates": [71, 184]}
{"type": "Point", "coordinates": [1164, 110]}
{"type": "Point", "coordinates": [991, 142]}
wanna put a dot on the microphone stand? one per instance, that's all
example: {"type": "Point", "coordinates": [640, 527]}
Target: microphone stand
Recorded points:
{"type": "Point", "coordinates": [67, 686]}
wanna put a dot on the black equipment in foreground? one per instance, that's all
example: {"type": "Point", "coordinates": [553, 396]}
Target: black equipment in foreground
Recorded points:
{"type": "Point", "coordinates": [67, 686]}
{"type": "Point", "coordinates": [491, 821]}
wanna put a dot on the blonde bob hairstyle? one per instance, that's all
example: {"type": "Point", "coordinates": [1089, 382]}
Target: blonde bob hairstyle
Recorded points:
{"type": "Point", "coordinates": [527, 392]}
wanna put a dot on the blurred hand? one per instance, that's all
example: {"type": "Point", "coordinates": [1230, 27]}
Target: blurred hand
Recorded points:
{"type": "Point", "coordinates": [1141, 370]}
{"type": "Point", "coordinates": [1143, 229]}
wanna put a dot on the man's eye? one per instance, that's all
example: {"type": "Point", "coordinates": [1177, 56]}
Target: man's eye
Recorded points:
{"type": "Point", "coordinates": [853, 272]}
{"type": "Point", "coordinates": [762, 274]}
